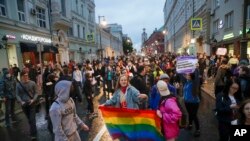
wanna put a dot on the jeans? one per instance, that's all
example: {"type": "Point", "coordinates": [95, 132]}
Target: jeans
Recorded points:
{"type": "Point", "coordinates": [9, 110]}
{"type": "Point", "coordinates": [30, 113]}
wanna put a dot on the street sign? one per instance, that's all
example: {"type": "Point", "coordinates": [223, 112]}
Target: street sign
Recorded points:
{"type": "Point", "coordinates": [196, 24]}
{"type": "Point", "coordinates": [90, 37]}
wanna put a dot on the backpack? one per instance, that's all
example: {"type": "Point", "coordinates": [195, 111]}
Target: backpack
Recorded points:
{"type": "Point", "coordinates": [183, 120]}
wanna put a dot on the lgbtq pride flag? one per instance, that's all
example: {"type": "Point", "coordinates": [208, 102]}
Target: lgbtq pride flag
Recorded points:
{"type": "Point", "coordinates": [133, 125]}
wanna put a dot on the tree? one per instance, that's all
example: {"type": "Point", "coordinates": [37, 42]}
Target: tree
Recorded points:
{"type": "Point", "coordinates": [127, 46]}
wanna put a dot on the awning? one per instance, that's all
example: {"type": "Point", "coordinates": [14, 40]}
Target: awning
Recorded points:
{"type": "Point", "coordinates": [30, 47]}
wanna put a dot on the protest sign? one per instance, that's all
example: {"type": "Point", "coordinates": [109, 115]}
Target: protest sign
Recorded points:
{"type": "Point", "coordinates": [186, 64]}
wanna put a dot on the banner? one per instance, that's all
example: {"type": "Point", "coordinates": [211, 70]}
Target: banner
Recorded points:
{"type": "Point", "coordinates": [133, 125]}
{"type": "Point", "coordinates": [221, 51]}
{"type": "Point", "coordinates": [186, 64]}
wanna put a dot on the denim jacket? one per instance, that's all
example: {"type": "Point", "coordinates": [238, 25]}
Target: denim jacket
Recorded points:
{"type": "Point", "coordinates": [132, 99]}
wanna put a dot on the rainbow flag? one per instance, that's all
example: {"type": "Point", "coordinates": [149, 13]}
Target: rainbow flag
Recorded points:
{"type": "Point", "coordinates": [133, 125]}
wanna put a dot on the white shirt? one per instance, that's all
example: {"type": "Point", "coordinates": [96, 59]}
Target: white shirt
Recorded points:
{"type": "Point", "coordinates": [77, 75]}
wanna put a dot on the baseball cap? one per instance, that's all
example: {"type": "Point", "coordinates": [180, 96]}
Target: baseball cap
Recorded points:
{"type": "Point", "coordinates": [164, 76]}
{"type": "Point", "coordinates": [163, 88]}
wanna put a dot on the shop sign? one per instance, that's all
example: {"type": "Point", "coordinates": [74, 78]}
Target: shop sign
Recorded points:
{"type": "Point", "coordinates": [221, 51]}
{"type": "Point", "coordinates": [247, 30]}
{"type": "Point", "coordinates": [11, 36]}
{"type": "Point", "coordinates": [228, 36]}
{"type": "Point", "coordinates": [35, 38]}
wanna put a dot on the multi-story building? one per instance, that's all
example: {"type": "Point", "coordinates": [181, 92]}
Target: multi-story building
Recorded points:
{"type": "Point", "coordinates": [177, 19]}
{"type": "Point", "coordinates": [155, 43]}
{"type": "Point", "coordinates": [26, 26]}
{"type": "Point", "coordinates": [227, 25]}
{"type": "Point", "coordinates": [115, 31]}
{"type": "Point", "coordinates": [75, 28]}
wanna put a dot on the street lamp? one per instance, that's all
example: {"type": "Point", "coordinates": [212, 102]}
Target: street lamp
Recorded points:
{"type": "Point", "coordinates": [103, 23]}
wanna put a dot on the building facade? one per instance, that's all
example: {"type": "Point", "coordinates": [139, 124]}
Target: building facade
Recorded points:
{"type": "Point", "coordinates": [32, 34]}
{"type": "Point", "coordinates": [155, 43]}
{"type": "Point", "coordinates": [25, 33]}
{"type": "Point", "coordinates": [227, 25]}
{"type": "Point", "coordinates": [177, 23]}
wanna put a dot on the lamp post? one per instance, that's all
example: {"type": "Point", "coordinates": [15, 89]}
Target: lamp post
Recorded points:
{"type": "Point", "coordinates": [80, 53]}
{"type": "Point", "coordinates": [5, 42]}
{"type": "Point", "coordinates": [99, 22]}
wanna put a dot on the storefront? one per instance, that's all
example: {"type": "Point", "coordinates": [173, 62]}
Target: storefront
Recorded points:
{"type": "Point", "coordinates": [30, 53]}
{"type": "Point", "coordinates": [22, 48]}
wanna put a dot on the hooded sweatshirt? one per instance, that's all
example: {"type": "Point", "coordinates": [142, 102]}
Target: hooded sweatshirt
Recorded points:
{"type": "Point", "coordinates": [63, 113]}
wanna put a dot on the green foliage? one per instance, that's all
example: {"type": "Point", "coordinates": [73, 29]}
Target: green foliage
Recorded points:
{"type": "Point", "coordinates": [127, 46]}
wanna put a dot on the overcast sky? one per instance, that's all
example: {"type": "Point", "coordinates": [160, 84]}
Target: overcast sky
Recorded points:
{"type": "Point", "coordinates": [133, 15]}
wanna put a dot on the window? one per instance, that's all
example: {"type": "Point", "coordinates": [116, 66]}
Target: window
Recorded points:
{"type": "Point", "coordinates": [76, 6]}
{"type": "Point", "coordinates": [82, 10]}
{"type": "Point", "coordinates": [229, 20]}
{"type": "Point", "coordinates": [248, 12]}
{"type": "Point", "coordinates": [216, 3]}
{"type": "Point", "coordinates": [83, 32]}
{"type": "Point", "coordinates": [78, 30]}
{"type": "Point", "coordinates": [215, 26]}
{"type": "Point", "coordinates": [63, 8]}
{"type": "Point", "coordinates": [20, 10]}
{"type": "Point", "coordinates": [70, 31]}
{"type": "Point", "coordinates": [41, 20]}
{"type": "Point", "coordinates": [2, 8]}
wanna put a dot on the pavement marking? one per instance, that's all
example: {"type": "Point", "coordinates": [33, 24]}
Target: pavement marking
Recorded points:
{"type": "Point", "coordinates": [99, 135]}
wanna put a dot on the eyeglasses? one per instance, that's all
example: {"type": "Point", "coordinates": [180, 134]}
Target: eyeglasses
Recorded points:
{"type": "Point", "coordinates": [235, 88]}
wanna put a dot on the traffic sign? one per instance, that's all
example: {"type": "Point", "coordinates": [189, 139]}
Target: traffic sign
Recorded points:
{"type": "Point", "coordinates": [196, 24]}
{"type": "Point", "coordinates": [90, 37]}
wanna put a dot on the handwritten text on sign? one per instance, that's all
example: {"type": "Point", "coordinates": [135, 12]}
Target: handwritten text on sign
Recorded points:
{"type": "Point", "coordinates": [186, 64]}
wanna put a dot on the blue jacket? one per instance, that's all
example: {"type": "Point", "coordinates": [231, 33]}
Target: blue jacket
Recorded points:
{"type": "Point", "coordinates": [155, 96]}
{"type": "Point", "coordinates": [132, 98]}
{"type": "Point", "coordinates": [187, 93]}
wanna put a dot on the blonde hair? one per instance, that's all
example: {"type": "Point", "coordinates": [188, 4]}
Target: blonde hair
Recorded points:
{"type": "Point", "coordinates": [118, 85]}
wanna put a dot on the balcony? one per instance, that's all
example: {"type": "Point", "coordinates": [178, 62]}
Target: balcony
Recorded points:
{"type": "Point", "coordinates": [60, 21]}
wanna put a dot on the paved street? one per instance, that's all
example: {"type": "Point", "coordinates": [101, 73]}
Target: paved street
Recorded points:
{"type": "Point", "coordinates": [20, 130]}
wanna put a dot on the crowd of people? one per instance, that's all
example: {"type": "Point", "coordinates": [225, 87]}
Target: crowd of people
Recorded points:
{"type": "Point", "coordinates": [135, 82]}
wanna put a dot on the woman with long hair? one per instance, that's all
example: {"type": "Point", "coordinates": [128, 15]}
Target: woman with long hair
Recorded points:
{"type": "Point", "coordinates": [226, 108]}
{"type": "Point", "coordinates": [244, 113]}
{"type": "Point", "coordinates": [192, 101]}
{"type": "Point", "coordinates": [125, 95]}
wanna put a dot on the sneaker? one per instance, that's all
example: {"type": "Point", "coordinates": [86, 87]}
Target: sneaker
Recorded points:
{"type": "Point", "coordinates": [197, 133]}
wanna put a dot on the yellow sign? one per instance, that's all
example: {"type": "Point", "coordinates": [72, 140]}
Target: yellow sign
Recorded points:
{"type": "Point", "coordinates": [90, 37]}
{"type": "Point", "coordinates": [196, 24]}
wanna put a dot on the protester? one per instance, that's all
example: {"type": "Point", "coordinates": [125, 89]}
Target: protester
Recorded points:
{"type": "Point", "coordinates": [125, 95]}
{"type": "Point", "coordinates": [192, 101]}
{"type": "Point", "coordinates": [26, 94]}
{"type": "Point", "coordinates": [9, 97]}
{"type": "Point", "coordinates": [227, 104]}
{"type": "Point", "coordinates": [155, 95]}
{"type": "Point", "coordinates": [169, 111]}
{"type": "Point", "coordinates": [87, 90]}
{"type": "Point", "coordinates": [244, 113]}
{"type": "Point", "coordinates": [63, 114]}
